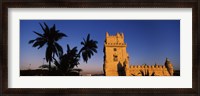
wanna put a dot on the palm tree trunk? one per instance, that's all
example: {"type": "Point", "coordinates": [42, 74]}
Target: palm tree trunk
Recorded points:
{"type": "Point", "coordinates": [49, 66]}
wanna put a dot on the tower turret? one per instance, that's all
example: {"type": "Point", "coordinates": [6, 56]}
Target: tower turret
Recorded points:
{"type": "Point", "coordinates": [107, 34]}
{"type": "Point", "coordinates": [115, 55]}
{"type": "Point", "coordinates": [169, 66]}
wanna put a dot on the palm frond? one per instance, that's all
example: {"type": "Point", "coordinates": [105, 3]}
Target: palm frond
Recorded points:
{"type": "Point", "coordinates": [38, 34]}
{"type": "Point", "coordinates": [68, 48]}
{"type": "Point", "coordinates": [31, 41]}
{"type": "Point", "coordinates": [36, 44]}
{"type": "Point", "coordinates": [59, 36]}
{"type": "Point", "coordinates": [42, 43]}
{"type": "Point", "coordinates": [88, 37]}
{"type": "Point", "coordinates": [46, 28]}
{"type": "Point", "coordinates": [59, 49]}
{"type": "Point", "coordinates": [42, 28]}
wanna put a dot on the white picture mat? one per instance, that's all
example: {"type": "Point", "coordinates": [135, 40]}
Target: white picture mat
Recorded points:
{"type": "Point", "coordinates": [182, 14]}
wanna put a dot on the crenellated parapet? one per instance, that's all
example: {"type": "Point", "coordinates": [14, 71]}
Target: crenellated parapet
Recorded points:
{"type": "Point", "coordinates": [155, 67]}
{"type": "Point", "coordinates": [117, 39]}
{"type": "Point", "coordinates": [115, 44]}
{"type": "Point", "coordinates": [156, 70]}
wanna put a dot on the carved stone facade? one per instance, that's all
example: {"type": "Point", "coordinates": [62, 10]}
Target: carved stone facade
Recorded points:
{"type": "Point", "coordinates": [116, 60]}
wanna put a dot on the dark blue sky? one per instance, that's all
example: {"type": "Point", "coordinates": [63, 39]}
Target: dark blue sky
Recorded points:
{"type": "Point", "coordinates": [148, 41]}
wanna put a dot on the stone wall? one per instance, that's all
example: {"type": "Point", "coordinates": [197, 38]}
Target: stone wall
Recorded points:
{"type": "Point", "coordinates": [155, 70]}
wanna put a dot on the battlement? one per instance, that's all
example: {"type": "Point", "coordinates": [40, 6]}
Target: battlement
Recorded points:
{"type": "Point", "coordinates": [132, 67]}
{"type": "Point", "coordinates": [117, 35]}
{"type": "Point", "coordinates": [114, 39]}
{"type": "Point", "coordinates": [115, 44]}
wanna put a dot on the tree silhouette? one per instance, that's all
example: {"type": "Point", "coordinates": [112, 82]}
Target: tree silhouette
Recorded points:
{"type": "Point", "coordinates": [88, 49]}
{"type": "Point", "coordinates": [49, 37]}
{"type": "Point", "coordinates": [69, 60]}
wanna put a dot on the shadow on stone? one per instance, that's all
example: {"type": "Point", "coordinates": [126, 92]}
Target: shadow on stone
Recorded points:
{"type": "Point", "coordinates": [120, 69]}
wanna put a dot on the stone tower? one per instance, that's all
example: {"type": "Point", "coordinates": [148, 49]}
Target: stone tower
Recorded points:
{"type": "Point", "coordinates": [116, 59]}
{"type": "Point", "coordinates": [169, 66]}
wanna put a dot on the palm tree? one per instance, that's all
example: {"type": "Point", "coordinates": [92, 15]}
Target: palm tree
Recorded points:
{"type": "Point", "coordinates": [88, 49]}
{"type": "Point", "coordinates": [49, 37]}
{"type": "Point", "coordinates": [68, 60]}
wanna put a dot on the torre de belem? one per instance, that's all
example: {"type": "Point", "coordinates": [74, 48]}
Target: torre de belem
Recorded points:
{"type": "Point", "coordinates": [116, 60]}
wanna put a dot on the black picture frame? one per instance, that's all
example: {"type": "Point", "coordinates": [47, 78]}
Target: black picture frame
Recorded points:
{"type": "Point", "coordinates": [194, 4]}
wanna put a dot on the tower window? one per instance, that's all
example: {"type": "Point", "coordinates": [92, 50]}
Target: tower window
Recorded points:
{"type": "Point", "coordinates": [115, 58]}
{"type": "Point", "coordinates": [115, 49]}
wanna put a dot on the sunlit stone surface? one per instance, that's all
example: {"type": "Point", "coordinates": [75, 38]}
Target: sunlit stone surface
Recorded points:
{"type": "Point", "coordinates": [116, 60]}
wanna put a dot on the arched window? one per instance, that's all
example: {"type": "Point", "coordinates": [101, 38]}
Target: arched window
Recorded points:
{"type": "Point", "coordinates": [115, 49]}
{"type": "Point", "coordinates": [115, 58]}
